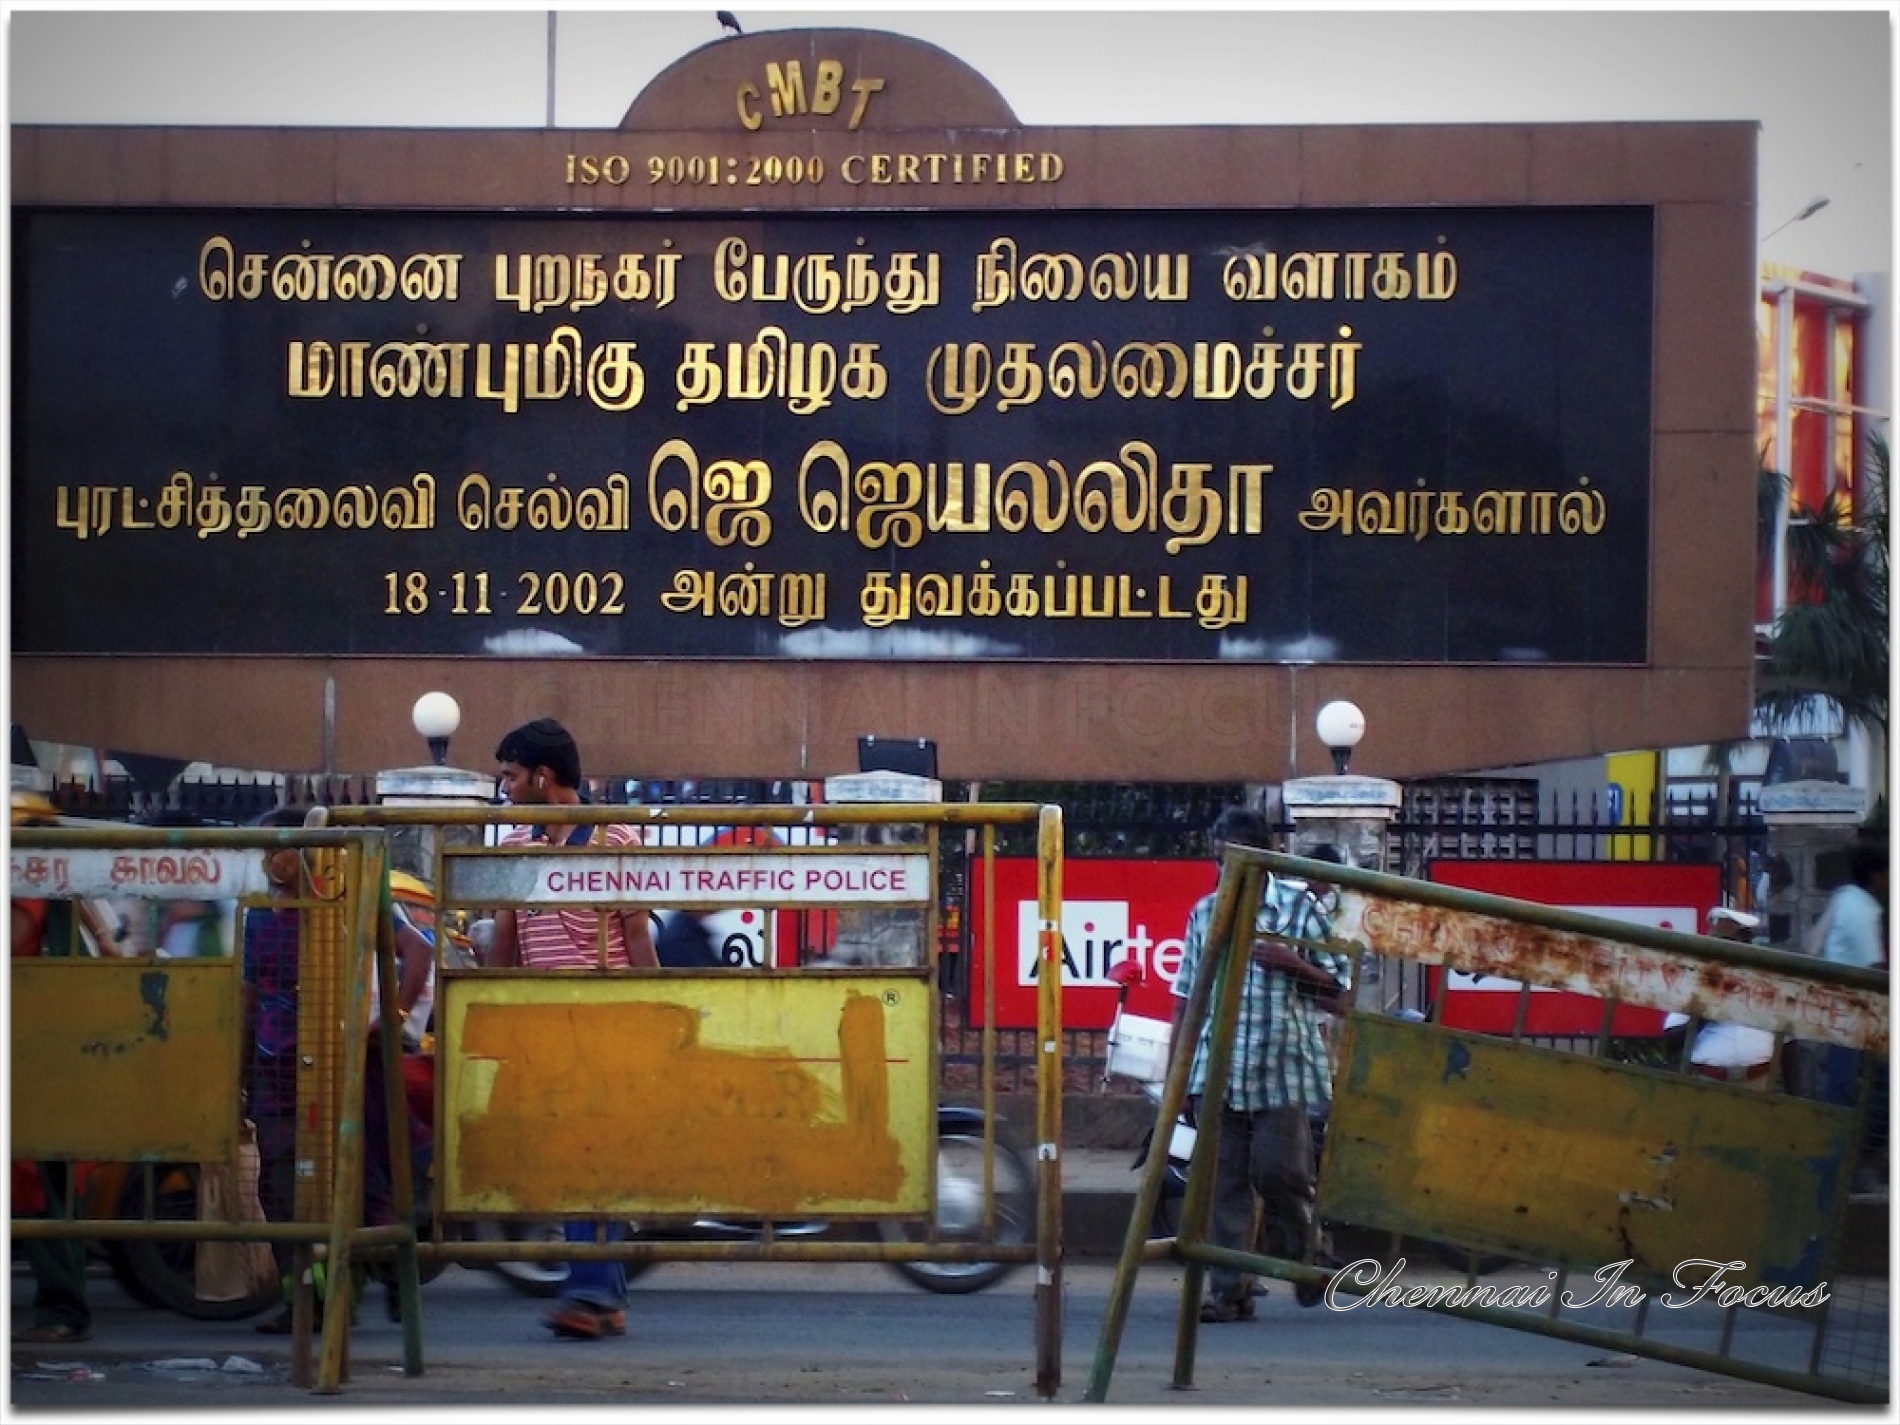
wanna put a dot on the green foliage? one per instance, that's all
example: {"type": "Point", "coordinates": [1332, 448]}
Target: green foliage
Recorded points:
{"type": "Point", "coordinates": [1834, 641]}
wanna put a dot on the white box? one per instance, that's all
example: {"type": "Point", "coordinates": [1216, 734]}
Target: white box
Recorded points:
{"type": "Point", "coordinates": [1138, 1047]}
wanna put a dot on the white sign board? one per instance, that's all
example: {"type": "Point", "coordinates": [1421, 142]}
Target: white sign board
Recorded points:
{"type": "Point", "coordinates": [196, 874]}
{"type": "Point", "coordinates": [688, 879]}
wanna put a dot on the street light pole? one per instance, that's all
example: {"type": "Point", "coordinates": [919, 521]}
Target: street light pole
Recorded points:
{"type": "Point", "coordinates": [1813, 206]}
{"type": "Point", "coordinates": [414, 847]}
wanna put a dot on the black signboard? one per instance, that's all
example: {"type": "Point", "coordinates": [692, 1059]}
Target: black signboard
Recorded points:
{"type": "Point", "coordinates": [1407, 436]}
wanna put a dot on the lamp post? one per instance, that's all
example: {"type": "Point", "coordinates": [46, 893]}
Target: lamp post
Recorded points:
{"type": "Point", "coordinates": [412, 848]}
{"type": "Point", "coordinates": [1351, 811]}
{"type": "Point", "coordinates": [1808, 210]}
{"type": "Point", "coordinates": [1348, 809]}
{"type": "Point", "coordinates": [436, 716]}
{"type": "Point", "coordinates": [1340, 725]}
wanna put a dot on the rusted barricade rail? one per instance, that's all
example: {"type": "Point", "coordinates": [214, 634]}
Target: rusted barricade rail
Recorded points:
{"type": "Point", "coordinates": [1649, 1210]}
{"type": "Point", "coordinates": [136, 1060]}
{"type": "Point", "coordinates": [796, 1091]}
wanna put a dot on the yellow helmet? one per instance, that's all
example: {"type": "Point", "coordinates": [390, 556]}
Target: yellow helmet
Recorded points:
{"type": "Point", "coordinates": [405, 887]}
{"type": "Point", "coordinates": [413, 890]}
{"type": "Point", "coordinates": [31, 808]}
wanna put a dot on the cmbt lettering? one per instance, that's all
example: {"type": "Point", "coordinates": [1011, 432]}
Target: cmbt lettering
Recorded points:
{"type": "Point", "coordinates": [785, 93]}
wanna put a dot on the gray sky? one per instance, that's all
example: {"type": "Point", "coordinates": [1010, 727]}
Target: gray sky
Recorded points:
{"type": "Point", "coordinates": [1819, 81]}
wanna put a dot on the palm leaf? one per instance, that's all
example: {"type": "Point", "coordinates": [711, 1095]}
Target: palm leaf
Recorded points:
{"type": "Point", "coordinates": [1835, 641]}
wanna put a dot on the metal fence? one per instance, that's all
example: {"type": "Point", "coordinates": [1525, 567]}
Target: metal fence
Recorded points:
{"type": "Point", "coordinates": [848, 1026]}
{"type": "Point", "coordinates": [1455, 819]}
{"type": "Point", "coordinates": [1470, 818]}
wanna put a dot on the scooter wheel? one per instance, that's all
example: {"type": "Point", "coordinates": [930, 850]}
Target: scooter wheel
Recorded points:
{"type": "Point", "coordinates": [959, 1216]}
{"type": "Point", "coordinates": [543, 1279]}
{"type": "Point", "coordinates": [165, 1271]}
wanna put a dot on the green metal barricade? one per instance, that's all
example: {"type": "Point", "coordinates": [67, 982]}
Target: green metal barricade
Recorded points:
{"type": "Point", "coordinates": [1647, 1209]}
{"type": "Point", "coordinates": [136, 1060]}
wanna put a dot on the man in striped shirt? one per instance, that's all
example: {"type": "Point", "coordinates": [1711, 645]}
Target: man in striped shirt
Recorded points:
{"type": "Point", "coordinates": [541, 766]}
{"type": "Point", "coordinates": [1280, 1072]}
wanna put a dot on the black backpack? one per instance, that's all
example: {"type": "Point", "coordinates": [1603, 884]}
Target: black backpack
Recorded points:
{"type": "Point", "coordinates": [684, 943]}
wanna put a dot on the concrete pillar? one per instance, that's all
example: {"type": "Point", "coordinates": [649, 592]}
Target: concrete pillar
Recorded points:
{"type": "Point", "coordinates": [1354, 813]}
{"type": "Point", "coordinates": [1811, 828]}
{"type": "Point", "coordinates": [413, 848]}
{"type": "Point", "coordinates": [876, 935]}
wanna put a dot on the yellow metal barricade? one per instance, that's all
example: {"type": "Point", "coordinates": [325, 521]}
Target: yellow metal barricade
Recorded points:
{"type": "Point", "coordinates": [777, 1094]}
{"type": "Point", "coordinates": [136, 1060]}
{"type": "Point", "coordinates": [1651, 1210]}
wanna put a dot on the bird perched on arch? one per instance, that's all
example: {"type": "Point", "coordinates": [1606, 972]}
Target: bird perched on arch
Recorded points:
{"type": "Point", "coordinates": [728, 21]}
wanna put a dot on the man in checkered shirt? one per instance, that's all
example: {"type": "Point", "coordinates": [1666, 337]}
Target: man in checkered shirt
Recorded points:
{"type": "Point", "coordinates": [1280, 1075]}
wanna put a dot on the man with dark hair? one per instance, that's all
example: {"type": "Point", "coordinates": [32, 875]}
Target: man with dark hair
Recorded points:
{"type": "Point", "coordinates": [542, 744]}
{"type": "Point", "coordinates": [541, 766]}
{"type": "Point", "coordinates": [1280, 1074]}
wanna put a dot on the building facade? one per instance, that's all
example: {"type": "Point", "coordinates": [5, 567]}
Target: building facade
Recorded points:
{"type": "Point", "coordinates": [822, 398]}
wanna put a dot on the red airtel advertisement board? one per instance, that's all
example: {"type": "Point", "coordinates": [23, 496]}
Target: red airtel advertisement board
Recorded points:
{"type": "Point", "coordinates": [1136, 910]}
{"type": "Point", "coordinates": [1665, 896]}
{"type": "Point", "coordinates": [1111, 911]}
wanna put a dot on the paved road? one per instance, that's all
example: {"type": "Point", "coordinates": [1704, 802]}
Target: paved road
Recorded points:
{"type": "Point", "coordinates": [814, 1334]}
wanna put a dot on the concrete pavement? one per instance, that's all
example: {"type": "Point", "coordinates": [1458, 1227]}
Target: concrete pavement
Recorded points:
{"type": "Point", "coordinates": [483, 1349]}
{"type": "Point", "coordinates": [760, 1335]}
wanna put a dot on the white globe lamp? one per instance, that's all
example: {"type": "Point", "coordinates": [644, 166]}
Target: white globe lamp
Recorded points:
{"type": "Point", "coordinates": [1340, 725]}
{"type": "Point", "coordinates": [436, 716]}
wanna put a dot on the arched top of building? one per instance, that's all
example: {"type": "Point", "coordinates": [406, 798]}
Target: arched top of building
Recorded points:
{"type": "Point", "coordinates": [917, 85]}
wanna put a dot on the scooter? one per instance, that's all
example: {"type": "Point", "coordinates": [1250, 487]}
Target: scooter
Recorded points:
{"type": "Point", "coordinates": [1138, 1050]}
{"type": "Point", "coordinates": [155, 1273]}
{"type": "Point", "coordinates": [958, 1218]}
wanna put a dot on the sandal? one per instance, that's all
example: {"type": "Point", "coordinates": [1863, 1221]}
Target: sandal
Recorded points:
{"type": "Point", "coordinates": [55, 1334]}
{"type": "Point", "coordinates": [1233, 1309]}
{"type": "Point", "coordinates": [581, 1322]}
{"type": "Point", "coordinates": [1313, 1293]}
